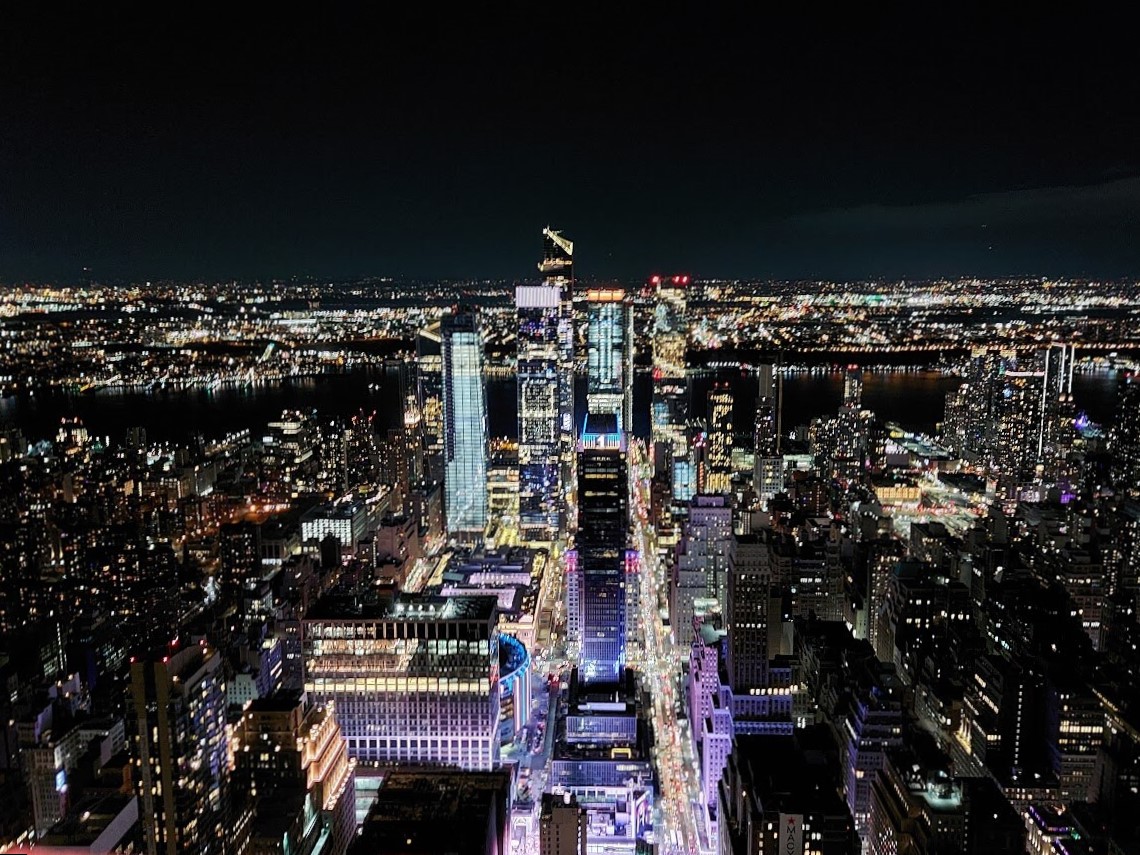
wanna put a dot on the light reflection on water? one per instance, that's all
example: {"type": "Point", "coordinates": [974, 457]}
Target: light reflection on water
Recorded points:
{"type": "Point", "coordinates": [915, 399]}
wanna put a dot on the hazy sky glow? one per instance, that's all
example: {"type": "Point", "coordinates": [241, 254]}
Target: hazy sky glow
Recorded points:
{"type": "Point", "coordinates": [438, 146]}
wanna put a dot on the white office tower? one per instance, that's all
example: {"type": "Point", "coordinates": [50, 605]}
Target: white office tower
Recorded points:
{"type": "Point", "coordinates": [609, 356]}
{"type": "Point", "coordinates": [700, 574]}
{"type": "Point", "coordinates": [464, 427]}
{"type": "Point", "coordinates": [415, 679]}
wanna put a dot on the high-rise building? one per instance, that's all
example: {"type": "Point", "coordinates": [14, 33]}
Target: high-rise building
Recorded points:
{"type": "Point", "coordinates": [415, 680]}
{"type": "Point", "coordinates": [703, 560]}
{"type": "Point", "coordinates": [720, 439]}
{"type": "Point", "coordinates": [429, 397]}
{"type": "Point", "coordinates": [874, 725]}
{"type": "Point", "coordinates": [748, 596]}
{"type": "Point", "coordinates": [778, 797]}
{"type": "Point", "coordinates": [540, 382]}
{"type": "Point", "coordinates": [557, 269]}
{"type": "Point", "coordinates": [918, 807]}
{"type": "Point", "coordinates": [177, 721]}
{"type": "Point", "coordinates": [292, 762]}
{"type": "Point", "coordinates": [1125, 438]}
{"type": "Point", "coordinates": [562, 825]}
{"type": "Point", "coordinates": [603, 520]}
{"type": "Point", "coordinates": [849, 445]}
{"type": "Point", "coordinates": [609, 355]}
{"type": "Point", "coordinates": [1013, 415]}
{"type": "Point", "coordinates": [768, 466]}
{"type": "Point", "coordinates": [464, 427]}
{"type": "Point", "coordinates": [669, 410]}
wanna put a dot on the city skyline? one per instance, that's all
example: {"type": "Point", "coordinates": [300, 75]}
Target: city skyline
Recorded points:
{"type": "Point", "coordinates": [569, 431]}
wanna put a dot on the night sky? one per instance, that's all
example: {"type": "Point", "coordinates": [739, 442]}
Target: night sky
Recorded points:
{"type": "Point", "coordinates": [905, 142]}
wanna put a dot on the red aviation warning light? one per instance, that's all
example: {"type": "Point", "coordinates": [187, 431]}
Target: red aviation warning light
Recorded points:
{"type": "Point", "coordinates": [655, 279]}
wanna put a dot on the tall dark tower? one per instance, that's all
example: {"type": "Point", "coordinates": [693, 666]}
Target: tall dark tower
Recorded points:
{"type": "Point", "coordinates": [603, 521]}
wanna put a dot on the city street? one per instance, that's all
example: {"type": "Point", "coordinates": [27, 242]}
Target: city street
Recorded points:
{"type": "Point", "coordinates": [679, 831]}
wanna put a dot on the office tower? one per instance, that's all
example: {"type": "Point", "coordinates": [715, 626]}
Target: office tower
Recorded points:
{"type": "Point", "coordinates": [703, 560]}
{"type": "Point", "coordinates": [429, 397]}
{"type": "Point", "coordinates": [562, 828]}
{"type": "Point", "coordinates": [603, 757]}
{"type": "Point", "coordinates": [748, 596]}
{"type": "Point", "coordinates": [603, 520]}
{"type": "Point", "coordinates": [177, 719]}
{"type": "Point", "coordinates": [540, 382]}
{"type": "Point", "coordinates": [768, 467]}
{"type": "Point", "coordinates": [292, 762]}
{"type": "Point", "coordinates": [1013, 415]}
{"type": "Point", "coordinates": [557, 269]}
{"type": "Point", "coordinates": [853, 387]}
{"type": "Point", "coordinates": [609, 355]}
{"type": "Point", "coordinates": [430, 811]}
{"type": "Point", "coordinates": [1005, 714]}
{"type": "Point", "coordinates": [720, 437]}
{"type": "Point", "coordinates": [778, 797]}
{"type": "Point", "coordinates": [1124, 438]}
{"type": "Point", "coordinates": [669, 409]}
{"type": "Point", "coordinates": [1078, 724]}
{"type": "Point", "coordinates": [1082, 576]}
{"type": "Point", "coordinates": [918, 807]}
{"type": "Point", "coordinates": [415, 680]}
{"type": "Point", "coordinates": [362, 450]}
{"type": "Point", "coordinates": [874, 725]}
{"type": "Point", "coordinates": [332, 454]}
{"type": "Point", "coordinates": [464, 427]}
{"type": "Point", "coordinates": [849, 440]}
{"type": "Point", "coordinates": [289, 462]}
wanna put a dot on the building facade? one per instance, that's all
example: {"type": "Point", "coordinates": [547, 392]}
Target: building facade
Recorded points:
{"type": "Point", "coordinates": [415, 680]}
{"type": "Point", "coordinates": [464, 427]}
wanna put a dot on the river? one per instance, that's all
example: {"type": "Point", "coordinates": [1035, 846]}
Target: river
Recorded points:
{"type": "Point", "coordinates": [913, 398]}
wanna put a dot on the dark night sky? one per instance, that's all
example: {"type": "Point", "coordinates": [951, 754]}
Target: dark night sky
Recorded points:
{"type": "Point", "coordinates": [905, 142]}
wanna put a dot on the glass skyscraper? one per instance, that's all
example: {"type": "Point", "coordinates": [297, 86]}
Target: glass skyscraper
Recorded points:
{"type": "Point", "coordinates": [603, 520]}
{"type": "Point", "coordinates": [540, 382]}
{"type": "Point", "coordinates": [720, 437]}
{"type": "Point", "coordinates": [464, 427]}
{"type": "Point", "coordinates": [557, 269]}
{"type": "Point", "coordinates": [609, 355]}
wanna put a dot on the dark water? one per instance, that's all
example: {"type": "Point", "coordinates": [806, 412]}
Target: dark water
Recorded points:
{"type": "Point", "coordinates": [914, 399]}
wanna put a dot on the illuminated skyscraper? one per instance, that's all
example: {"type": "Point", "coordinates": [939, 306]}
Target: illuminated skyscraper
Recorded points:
{"type": "Point", "coordinates": [603, 520]}
{"type": "Point", "coordinates": [720, 436]}
{"type": "Point", "coordinates": [429, 398]}
{"type": "Point", "coordinates": [669, 411]}
{"type": "Point", "coordinates": [464, 427]}
{"type": "Point", "coordinates": [293, 764]}
{"type": "Point", "coordinates": [1013, 415]}
{"type": "Point", "coordinates": [177, 720]}
{"type": "Point", "coordinates": [1125, 438]}
{"type": "Point", "coordinates": [414, 680]}
{"type": "Point", "coordinates": [609, 355]}
{"type": "Point", "coordinates": [540, 382]}
{"type": "Point", "coordinates": [557, 269]}
{"type": "Point", "coordinates": [768, 467]}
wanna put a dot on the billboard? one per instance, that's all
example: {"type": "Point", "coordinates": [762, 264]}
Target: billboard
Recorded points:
{"type": "Point", "coordinates": [791, 834]}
